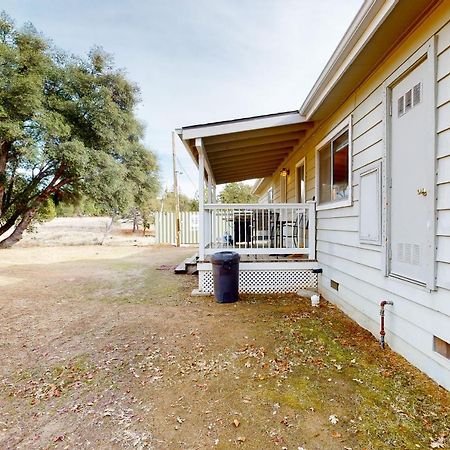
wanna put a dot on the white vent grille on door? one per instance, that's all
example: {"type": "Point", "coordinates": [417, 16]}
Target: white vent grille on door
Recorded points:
{"type": "Point", "coordinates": [400, 253]}
{"type": "Point", "coordinates": [417, 94]}
{"type": "Point", "coordinates": [408, 253]}
{"type": "Point", "coordinates": [410, 99]}
{"type": "Point", "coordinates": [416, 255]}
{"type": "Point", "coordinates": [401, 105]}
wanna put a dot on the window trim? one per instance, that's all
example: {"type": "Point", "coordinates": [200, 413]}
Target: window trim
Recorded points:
{"type": "Point", "coordinates": [301, 162]}
{"type": "Point", "coordinates": [339, 129]}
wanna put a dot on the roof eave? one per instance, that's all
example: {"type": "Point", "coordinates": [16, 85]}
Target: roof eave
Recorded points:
{"type": "Point", "coordinates": [366, 14]}
{"type": "Point", "coordinates": [192, 151]}
{"type": "Point", "coordinates": [189, 133]}
{"type": "Point", "coordinates": [240, 125]}
{"type": "Point", "coordinates": [377, 29]}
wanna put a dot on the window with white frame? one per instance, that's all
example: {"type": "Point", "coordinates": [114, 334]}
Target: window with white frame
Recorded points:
{"type": "Point", "coordinates": [333, 169]}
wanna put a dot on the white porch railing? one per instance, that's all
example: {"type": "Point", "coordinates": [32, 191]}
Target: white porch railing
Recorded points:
{"type": "Point", "coordinates": [253, 229]}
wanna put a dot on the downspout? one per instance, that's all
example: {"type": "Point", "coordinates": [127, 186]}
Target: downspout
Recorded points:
{"type": "Point", "coordinates": [382, 332]}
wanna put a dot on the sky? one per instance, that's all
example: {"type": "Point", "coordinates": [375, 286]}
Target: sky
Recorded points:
{"type": "Point", "coordinates": [199, 61]}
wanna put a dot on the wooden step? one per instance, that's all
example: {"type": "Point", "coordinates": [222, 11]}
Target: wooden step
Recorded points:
{"type": "Point", "coordinates": [181, 268]}
{"type": "Point", "coordinates": [189, 266]}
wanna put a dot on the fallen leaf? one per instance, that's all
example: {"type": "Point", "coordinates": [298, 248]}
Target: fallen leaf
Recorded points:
{"type": "Point", "coordinates": [439, 443]}
{"type": "Point", "coordinates": [333, 419]}
{"type": "Point", "coordinates": [336, 434]}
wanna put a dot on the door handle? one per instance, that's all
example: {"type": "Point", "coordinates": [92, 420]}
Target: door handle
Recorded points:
{"type": "Point", "coordinates": [422, 191]}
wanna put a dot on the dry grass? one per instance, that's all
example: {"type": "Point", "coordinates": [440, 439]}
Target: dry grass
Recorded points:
{"type": "Point", "coordinates": [100, 349]}
{"type": "Point", "coordinates": [75, 231]}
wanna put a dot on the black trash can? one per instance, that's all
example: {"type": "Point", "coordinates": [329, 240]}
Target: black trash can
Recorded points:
{"type": "Point", "coordinates": [225, 267]}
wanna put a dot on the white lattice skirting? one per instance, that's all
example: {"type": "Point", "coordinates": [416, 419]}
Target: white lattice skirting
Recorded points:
{"type": "Point", "coordinates": [264, 281]}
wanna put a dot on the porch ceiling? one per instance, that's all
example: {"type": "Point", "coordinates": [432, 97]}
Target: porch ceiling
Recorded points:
{"type": "Point", "coordinates": [246, 148]}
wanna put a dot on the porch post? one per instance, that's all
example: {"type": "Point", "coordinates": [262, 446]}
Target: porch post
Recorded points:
{"type": "Point", "coordinates": [201, 200]}
{"type": "Point", "coordinates": [312, 229]}
{"type": "Point", "coordinates": [209, 189]}
{"type": "Point", "coordinates": [208, 213]}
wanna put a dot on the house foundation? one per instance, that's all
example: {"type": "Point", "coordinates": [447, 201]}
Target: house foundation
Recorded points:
{"type": "Point", "coordinates": [265, 277]}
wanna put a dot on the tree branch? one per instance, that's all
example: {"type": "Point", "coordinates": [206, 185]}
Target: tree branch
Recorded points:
{"type": "Point", "coordinates": [9, 190]}
{"type": "Point", "coordinates": [22, 196]}
{"type": "Point", "coordinates": [33, 203]}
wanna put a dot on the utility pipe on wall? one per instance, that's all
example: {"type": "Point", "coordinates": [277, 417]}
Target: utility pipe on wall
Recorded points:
{"type": "Point", "coordinates": [382, 332]}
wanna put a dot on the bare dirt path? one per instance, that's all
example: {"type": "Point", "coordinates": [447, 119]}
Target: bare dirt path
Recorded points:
{"type": "Point", "coordinates": [101, 349]}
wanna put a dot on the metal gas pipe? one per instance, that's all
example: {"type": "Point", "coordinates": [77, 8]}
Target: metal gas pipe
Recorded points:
{"type": "Point", "coordinates": [382, 332]}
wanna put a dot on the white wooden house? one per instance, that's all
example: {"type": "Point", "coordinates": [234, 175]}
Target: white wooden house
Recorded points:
{"type": "Point", "coordinates": [356, 183]}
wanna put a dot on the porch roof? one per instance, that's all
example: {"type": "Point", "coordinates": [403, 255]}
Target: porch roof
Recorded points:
{"type": "Point", "coordinates": [246, 148]}
{"type": "Point", "coordinates": [254, 147]}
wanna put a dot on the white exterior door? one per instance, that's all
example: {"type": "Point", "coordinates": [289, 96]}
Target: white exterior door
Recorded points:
{"type": "Point", "coordinates": [412, 177]}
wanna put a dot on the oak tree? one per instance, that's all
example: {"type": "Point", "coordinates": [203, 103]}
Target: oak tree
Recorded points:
{"type": "Point", "coordinates": [237, 193]}
{"type": "Point", "coordinates": [67, 129]}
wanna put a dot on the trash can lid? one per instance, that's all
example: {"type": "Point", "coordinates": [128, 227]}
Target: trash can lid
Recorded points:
{"type": "Point", "coordinates": [225, 256]}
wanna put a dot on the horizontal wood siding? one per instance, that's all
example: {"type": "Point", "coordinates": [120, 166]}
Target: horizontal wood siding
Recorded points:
{"type": "Point", "coordinates": [403, 336]}
{"type": "Point", "coordinates": [443, 162]}
{"type": "Point", "coordinates": [443, 64]}
{"type": "Point", "coordinates": [417, 314]}
{"type": "Point", "coordinates": [443, 142]}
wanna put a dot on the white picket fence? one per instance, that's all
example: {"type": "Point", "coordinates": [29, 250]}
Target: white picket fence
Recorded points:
{"type": "Point", "coordinates": [165, 228]}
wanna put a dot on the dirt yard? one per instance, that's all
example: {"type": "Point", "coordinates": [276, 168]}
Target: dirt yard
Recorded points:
{"type": "Point", "coordinates": [102, 348]}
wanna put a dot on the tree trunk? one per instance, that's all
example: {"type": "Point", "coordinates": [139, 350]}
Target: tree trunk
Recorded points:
{"type": "Point", "coordinates": [27, 216]}
{"type": "Point", "coordinates": [9, 223]}
{"type": "Point", "coordinates": [4, 149]}
{"type": "Point", "coordinates": [16, 235]}
{"type": "Point", "coordinates": [135, 223]}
